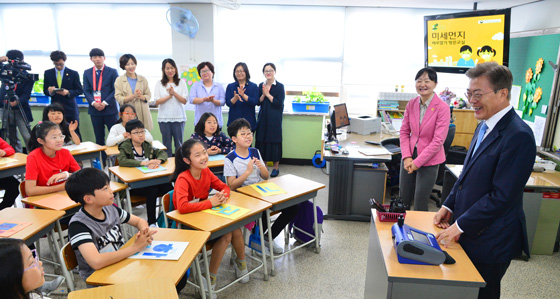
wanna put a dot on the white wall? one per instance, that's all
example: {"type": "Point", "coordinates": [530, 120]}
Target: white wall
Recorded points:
{"type": "Point", "coordinates": [192, 51]}
{"type": "Point", "coordinates": [535, 16]}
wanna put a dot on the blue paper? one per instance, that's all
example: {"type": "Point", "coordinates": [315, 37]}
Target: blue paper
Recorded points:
{"type": "Point", "coordinates": [145, 169]}
{"type": "Point", "coordinates": [216, 157]}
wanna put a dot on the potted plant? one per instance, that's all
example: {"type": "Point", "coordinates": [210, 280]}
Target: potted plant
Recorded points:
{"type": "Point", "coordinates": [313, 101]}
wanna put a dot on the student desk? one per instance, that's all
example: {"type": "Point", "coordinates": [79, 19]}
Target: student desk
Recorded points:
{"type": "Point", "coordinates": [143, 289]}
{"type": "Point", "coordinates": [114, 150]}
{"type": "Point", "coordinates": [69, 209]}
{"type": "Point", "coordinates": [387, 278]}
{"type": "Point", "coordinates": [135, 178]}
{"type": "Point", "coordinates": [541, 204]}
{"type": "Point", "coordinates": [297, 190]}
{"type": "Point", "coordinates": [352, 182]}
{"type": "Point", "coordinates": [86, 151]}
{"type": "Point", "coordinates": [130, 270]}
{"type": "Point", "coordinates": [14, 167]}
{"type": "Point", "coordinates": [219, 226]}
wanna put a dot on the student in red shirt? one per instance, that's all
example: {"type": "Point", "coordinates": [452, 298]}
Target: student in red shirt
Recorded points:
{"type": "Point", "coordinates": [10, 184]}
{"type": "Point", "coordinates": [48, 164]}
{"type": "Point", "coordinates": [193, 179]}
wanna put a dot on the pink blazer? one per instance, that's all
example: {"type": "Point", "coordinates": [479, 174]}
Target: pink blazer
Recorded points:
{"type": "Point", "coordinates": [428, 137]}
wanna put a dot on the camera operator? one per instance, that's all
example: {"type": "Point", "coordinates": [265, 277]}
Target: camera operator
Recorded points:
{"type": "Point", "coordinates": [17, 111]}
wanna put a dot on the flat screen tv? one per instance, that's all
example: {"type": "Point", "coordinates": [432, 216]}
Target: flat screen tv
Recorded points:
{"type": "Point", "coordinates": [456, 42]}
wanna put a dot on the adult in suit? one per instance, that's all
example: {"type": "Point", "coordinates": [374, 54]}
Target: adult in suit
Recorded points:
{"type": "Point", "coordinates": [15, 114]}
{"type": "Point", "coordinates": [423, 131]}
{"type": "Point", "coordinates": [61, 77]}
{"type": "Point", "coordinates": [486, 201]}
{"type": "Point", "coordinates": [99, 90]}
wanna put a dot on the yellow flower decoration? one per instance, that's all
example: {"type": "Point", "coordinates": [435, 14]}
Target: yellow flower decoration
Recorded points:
{"type": "Point", "coordinates": [538, 95]}
{"type": "Point", "coordinates": [538, 66]}
{"type": "Point", "coordinates": [529, 75]}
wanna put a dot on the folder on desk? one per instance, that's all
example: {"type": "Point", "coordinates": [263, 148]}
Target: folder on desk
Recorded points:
{"type": "Point", "coordinates": [216, 158]}
{"type": "Point", "coordinates": [145, 169]}
{"type": "Point", "coordinates": [57, 202]}
{"type": "Point", "coordinates": [7, 160]}
{"type": "Point", "coordinates": [9, 228]}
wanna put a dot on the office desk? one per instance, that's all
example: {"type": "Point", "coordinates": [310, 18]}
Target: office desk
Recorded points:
{"type": "Point", "coordinates": [143, 289]}
{"type": "Point", "coordinates": [86, 151]}
{"type": "Point", "coordinates": [541, 204]}
{"type": "Point", "coordinates": [135, 178]}
{"type": "Point", "coordinates": [14, 167]}
{"type": "Point", "coordinates": [352, 185]}
{"type": "Point", "coordinates": [298, 190]}
{"type": "Point", "coordinates": [387, 278]}
{"type": "Point", "coordinates": [130, 270]}
{"type": "Point", "coordinates": [219, 226]}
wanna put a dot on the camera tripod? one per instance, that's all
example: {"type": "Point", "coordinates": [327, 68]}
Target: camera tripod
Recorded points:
{"type": "Point", "coordinates": [8, 131]}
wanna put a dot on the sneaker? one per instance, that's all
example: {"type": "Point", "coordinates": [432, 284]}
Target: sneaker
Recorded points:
{"type": "Point", "coordinates": [213, 287]}
{"type": "Point", "coordinates": [50, 286]}
{"type": "Point", "coordinates": [275, 248]}
{"type": "Point", "coordinates": [274, 173]}
{"type": "Point", "coordinates": [239, 273]}
{"type": "Point", "coordinates": [154, 225]}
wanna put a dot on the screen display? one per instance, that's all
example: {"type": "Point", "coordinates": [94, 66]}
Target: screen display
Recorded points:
{"type": "Point", "coordinates": [341, 116]}
{"type": "Point", "coordinates": [420, 237]}
{"type": "Point", "coordinates": [457, 42]}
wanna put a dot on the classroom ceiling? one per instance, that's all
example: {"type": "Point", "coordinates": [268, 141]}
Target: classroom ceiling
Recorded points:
{"type": "Point", "coordinates": [441, 4]}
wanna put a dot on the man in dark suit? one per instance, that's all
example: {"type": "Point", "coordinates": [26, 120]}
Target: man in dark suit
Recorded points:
{"type": "Point", "coordinates": [16, 113]}
{"type": "Point", "coordinates": [486, 202]}
{"type": "Point", "coordinates": [61, 77]}
{"type": "Point", "coordinates": [99, 90]}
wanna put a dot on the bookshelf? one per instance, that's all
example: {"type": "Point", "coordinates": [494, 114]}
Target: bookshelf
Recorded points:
{"type": "Point", "coordinates": [391, 105]}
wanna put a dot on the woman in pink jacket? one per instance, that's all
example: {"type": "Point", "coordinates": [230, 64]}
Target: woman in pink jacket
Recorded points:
{"type": "Point", "coordinates": [423, 131]}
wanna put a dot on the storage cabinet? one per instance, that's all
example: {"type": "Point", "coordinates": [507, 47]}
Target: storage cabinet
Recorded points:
{"type": "Point", "coordinates": [465, 126]}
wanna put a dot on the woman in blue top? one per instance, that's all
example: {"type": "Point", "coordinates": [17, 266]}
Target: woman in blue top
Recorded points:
{"type": "Point", "coordinates": [242, 96]}
{"type": "Point", "coordinates": [207, 95]}
{"type": "Point", "coordinates": [269, 127]}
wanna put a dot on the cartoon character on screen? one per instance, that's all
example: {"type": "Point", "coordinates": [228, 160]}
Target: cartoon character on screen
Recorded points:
{"type": "Point", "coordinates": [466, 60]}
{"type": "Point", "coordinates": [486, 53]}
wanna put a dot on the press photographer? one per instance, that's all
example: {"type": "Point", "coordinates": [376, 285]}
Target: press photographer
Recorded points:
{"type": "Point", "coordinates": [15, 92]}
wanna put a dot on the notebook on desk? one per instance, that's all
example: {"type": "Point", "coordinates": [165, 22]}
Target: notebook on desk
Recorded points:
{"type": "Point", "coordinates": [392, 148]}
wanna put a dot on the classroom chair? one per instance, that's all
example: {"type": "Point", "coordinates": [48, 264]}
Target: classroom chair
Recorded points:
{"type": "Point", "coordinates": [68, 255]}
{"type": "Point", "coordinates": [437, 198]}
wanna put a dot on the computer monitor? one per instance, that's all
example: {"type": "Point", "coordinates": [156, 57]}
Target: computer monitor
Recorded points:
{"type": "Point", "coordinates": [339, 119]}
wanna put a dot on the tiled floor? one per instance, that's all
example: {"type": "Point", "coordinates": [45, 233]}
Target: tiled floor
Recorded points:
{"type": "Point", "coordinates": [339, 270]}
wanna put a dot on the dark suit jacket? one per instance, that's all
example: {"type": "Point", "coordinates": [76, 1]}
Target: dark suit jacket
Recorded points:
{"type": "Point", "coordinates": [107, 91]}
{"type": "Point", "coordinates": [23, 91]}
{"type": "Point", "coordinates": [71, 82]}
{"type": "Point", "coordinates": [487, 199]}
{"type": "Point", "coordinates": [269, 125]}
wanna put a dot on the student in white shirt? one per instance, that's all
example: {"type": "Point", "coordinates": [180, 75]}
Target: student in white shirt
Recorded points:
{"type": "Point", "coordinates": [118, 133]}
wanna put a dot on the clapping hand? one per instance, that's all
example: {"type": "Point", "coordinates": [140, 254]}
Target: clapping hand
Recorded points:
{"type": "Point", "coordinates": [218, 198]}
{"type": "Point", "coordinates": [266, 90]}
{"type": "Point", "coordinates": [241, 93]}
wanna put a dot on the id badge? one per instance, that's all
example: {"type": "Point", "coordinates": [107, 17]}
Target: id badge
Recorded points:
{"type": "Point", "coordinates": [97, 96]}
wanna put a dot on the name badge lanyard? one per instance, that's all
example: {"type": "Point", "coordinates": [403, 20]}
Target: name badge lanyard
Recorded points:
{"type": "Point", "coordinates": [98, 91]}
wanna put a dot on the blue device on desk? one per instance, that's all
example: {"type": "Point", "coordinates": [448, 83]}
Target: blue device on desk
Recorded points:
{"type": "Point", "coordinates": [415, 246]}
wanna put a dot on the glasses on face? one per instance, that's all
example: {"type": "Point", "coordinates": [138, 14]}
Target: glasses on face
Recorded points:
{"type": "Point", "coordinates": [240, 72]}
{"type": "Point", "coordinates": [36, 262]}
{"type": "Point", "coordinates": [245, 134]}
{"type": "Point", "coordinates": [269, 72]}
{"type": "Point", "coordinates": [475, 96]}
{"type": "Point", "coordinates": [60, 137]}
{"type": "Point", "coordinates": [205, 71]}
{"type": "Point", "coordinates": [59, 64]}
{"type": "Point", "coordinates": [139, 132]}
{"type": "Point", "coordinates": [129, 113]}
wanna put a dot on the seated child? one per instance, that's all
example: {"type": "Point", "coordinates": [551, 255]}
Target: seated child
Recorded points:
{"type": "Point", "coordinates": [48, 164]}
{"type": "Point", "coordinates": [55, 113]}
{"type": "Point", "coordinates": [95, 232]}
{"type": "Point", "coordinates": [117, 134]}
{"type": "Point", "coordinates": [135, 151]}
{"type": "Point", "coordinates": [192, 180]}
{"type": "Point", "coordinates": [10, 184]}
{"type": "Point", "coordinates": [244, 166]}
{"type": "Point", "coordinates": [21, 270]}
{"type": "Point", "coordinates": [209, 132]}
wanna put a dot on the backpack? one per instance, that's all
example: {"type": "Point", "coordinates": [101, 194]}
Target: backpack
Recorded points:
{"type": "Point", "coordinates": [304, 221]}
{"type": "Point", "coordinates": [161, 220]}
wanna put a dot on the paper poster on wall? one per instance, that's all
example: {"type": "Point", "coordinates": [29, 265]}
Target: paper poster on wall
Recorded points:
{"type": "Point", "coordinates": [538, 129]}
{"type": "Point", "coordinates": [189, 74]}
{"type": "Point", "coordinates": [161, 250]}
{"type": "Point", "coordinates": [515, 96]}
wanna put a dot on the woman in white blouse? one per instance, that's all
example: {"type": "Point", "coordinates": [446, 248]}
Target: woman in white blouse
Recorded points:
{"type": "Point", "coordinates": [170, 94]}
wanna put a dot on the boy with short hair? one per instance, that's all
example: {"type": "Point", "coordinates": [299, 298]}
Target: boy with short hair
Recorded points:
{"type": "Point", "coordinates": [244, 166]}
{"type": "Point", "coordinates": [135, 151]}
{"type": "Point", "coordinates": [95, 232]}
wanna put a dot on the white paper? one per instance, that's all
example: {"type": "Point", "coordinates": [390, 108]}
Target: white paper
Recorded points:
{"type": "Point", "coordinates": [544, 109]}
{"type": "Point", "coordinates": [74, 147]}
{"type": "Point", "coordinates": [397, 123]}
{"type": "Point", "coordinates": [161, 250]}
{"type": "Point", "coordinates": [515, 94]}
{"type": "Point", "coordinates": [374, 151]}
{"type": "Point", "coordinates": [538, 129]}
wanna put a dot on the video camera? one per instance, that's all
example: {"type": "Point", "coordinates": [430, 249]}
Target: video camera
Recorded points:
{"type": "Point", "coordinates": [12, 73]}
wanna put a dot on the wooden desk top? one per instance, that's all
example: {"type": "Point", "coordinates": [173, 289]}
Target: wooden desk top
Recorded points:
{"type": "Point", "coordinates": [114, 150]}
{"type": "Point", "coordinates": [213, 223]}
{"type": "Point", "coordinates": [219, 163]}
{"type": "Point", "coordinates": [536, 180]}
{"type": "Point", "coordinates": [39, 219]}
{"type": "Point", "coordinates": [21, 160]}
{"type": "Point", "coordinates": [144, 289]}
{"type": "Point", "coordinates": [462, 270]}
{"type": "Point", "coordinates": [31, 200]}
{"type": "Point", "coordinates": [354, 142]}
{"type": "Point", "coordinates": [130, 270]}
{"type": "Point", "coordinates": [87, 147]}
{"type": "Point", "coordinates": [294, 186]}
{"type": "Point", "coordinates": [131, 174]}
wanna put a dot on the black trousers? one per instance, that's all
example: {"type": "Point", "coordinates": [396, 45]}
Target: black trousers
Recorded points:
{"type": "Point", "coordinates": [151, 193]}
{"type": "Point", "coordinates": [11, 187]}
{"type": "Point", "coordinates": [492, 274]}
{"type": "Point", "coordinates": [284, 219]}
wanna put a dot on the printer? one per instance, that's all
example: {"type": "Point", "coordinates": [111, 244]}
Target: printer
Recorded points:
{"type": "Point", "coordinates": [365, 124]}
